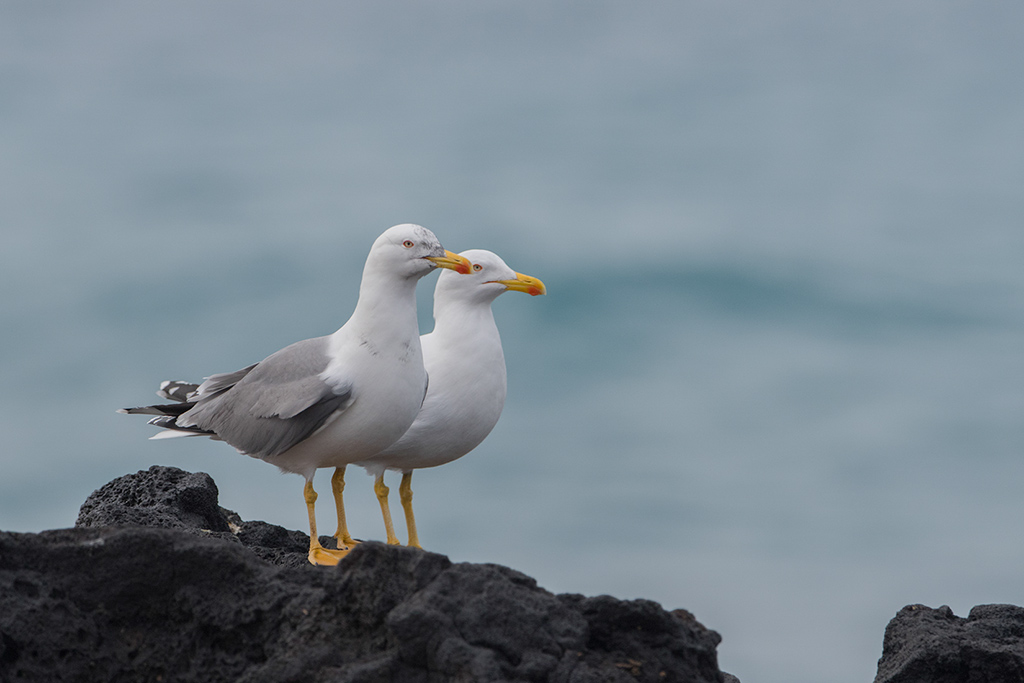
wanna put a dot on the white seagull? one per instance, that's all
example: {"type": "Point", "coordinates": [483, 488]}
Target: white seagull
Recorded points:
{"type": "Point", "coordinates": [466, 365]}
{"type": "Point", "coordinates": [332, 400]}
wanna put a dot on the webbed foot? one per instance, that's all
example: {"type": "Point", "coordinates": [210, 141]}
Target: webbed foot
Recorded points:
{"type": "Point", "coordinates": [326, 557]}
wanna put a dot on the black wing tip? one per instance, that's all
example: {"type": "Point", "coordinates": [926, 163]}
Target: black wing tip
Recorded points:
{"type": "Point", "coordinates": [171, 409]}
{"type": "Point", "coordinates": [170, 422]}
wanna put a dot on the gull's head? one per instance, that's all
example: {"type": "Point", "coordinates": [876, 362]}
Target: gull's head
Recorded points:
{"type": "Point", "coordinates": [413, 251]}
{"type": "Point", "coordinates": [489, 276]}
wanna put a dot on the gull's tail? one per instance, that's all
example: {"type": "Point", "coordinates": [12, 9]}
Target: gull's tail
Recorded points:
{"type": "Point", "coordinates": [183, 393]}
{"type": "Point", "coordinates": [173, 390]}
{"type": "Point", "coordinates": [185, 396]}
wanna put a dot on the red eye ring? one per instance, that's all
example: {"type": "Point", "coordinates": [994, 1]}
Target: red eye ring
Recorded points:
{"type": "Point", "coordinates": [477, 267]}
{"type": "Point", "coordinates": [408, 244]}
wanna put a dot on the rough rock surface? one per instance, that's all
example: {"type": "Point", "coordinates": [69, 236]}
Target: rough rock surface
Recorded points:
{"type": "Point", "coordinates": [934, 645]}
{"type": "Point", "coordinates": [158, 583]}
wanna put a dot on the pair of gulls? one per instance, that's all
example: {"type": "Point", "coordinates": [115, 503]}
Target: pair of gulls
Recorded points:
{"type": "Point", "coordinates": [361, 395]}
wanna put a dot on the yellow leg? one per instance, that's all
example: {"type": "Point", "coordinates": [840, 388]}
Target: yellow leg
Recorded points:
{"type": "Point", "coordinates": [382, 492]}
{"type": "Point", "coordinates": [317, 553]}
{"type": "Point", "coordinates": [405, 491]}
{"type": "Point", "coordinates": [344, 539]}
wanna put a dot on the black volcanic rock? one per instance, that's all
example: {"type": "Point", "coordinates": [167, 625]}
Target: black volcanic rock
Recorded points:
{"type": "Point", "coordinates": [170, 498]}
{"type": "Point", "coordinates": [163, 497]}
{"type": "Point", "coordinates": [934, 645]}
{"type": "Point", "coordinates": [158, 583]}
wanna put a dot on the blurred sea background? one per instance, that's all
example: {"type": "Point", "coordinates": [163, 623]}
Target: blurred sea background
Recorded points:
{"type": "Point", "coordinates": [777, 379]}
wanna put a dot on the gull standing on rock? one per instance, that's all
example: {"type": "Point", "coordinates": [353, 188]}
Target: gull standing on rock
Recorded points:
{"type": "Point", "coordinates": [466, 365]}
{"type": "Point", "coordinates": [328, 401]}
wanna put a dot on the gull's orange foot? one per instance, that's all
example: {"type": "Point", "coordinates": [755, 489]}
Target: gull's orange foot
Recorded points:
{"type": "Point", "coordinates": [346, 542]}
{"type": "Point", "coordinates": [325, 556]}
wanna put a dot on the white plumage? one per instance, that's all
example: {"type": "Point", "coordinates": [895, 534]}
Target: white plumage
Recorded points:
{"type": "Point", "coordinates": [466, 366]}
{"type": "Point", "coordinates": [333, 400]}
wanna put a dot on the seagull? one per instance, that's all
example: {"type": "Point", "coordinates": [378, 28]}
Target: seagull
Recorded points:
{"type": "Point", "coordinates": [332, 400]}
{"type": "Point", "coordinates": [464, 360]}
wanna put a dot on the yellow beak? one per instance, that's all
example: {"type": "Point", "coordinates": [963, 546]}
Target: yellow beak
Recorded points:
{"type": "Point", "coordinates": [452, 261]}
{"type": "Point", "coordinates": [524, 283]}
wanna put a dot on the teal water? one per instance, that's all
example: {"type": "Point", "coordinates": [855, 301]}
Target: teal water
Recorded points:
{"type": "Point", "coordinates": [777, 379]}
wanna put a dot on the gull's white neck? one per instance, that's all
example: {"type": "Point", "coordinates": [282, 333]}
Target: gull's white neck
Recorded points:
{"type": "Point", "coordinates": [466, 324]}
{"type": "Point", "coordinates": [386, 308]}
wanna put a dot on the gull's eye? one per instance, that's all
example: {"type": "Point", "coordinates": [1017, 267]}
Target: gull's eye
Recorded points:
{"type": "Point", "coordinates": [477, 267]}
{"type": "Point", "coordinates": [408, 244]}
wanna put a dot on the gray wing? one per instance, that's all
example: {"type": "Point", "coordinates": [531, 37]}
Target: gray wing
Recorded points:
{"type": "Point", "coordinates": [219, 383]}
{"type": "Point", "coordinates": [267, 408]}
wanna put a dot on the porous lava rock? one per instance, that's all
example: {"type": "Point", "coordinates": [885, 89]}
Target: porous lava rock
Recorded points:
{"type": "Point", "coordinates": [935, 646]}
{"type": "Point", "coordinates": [158, 583]}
